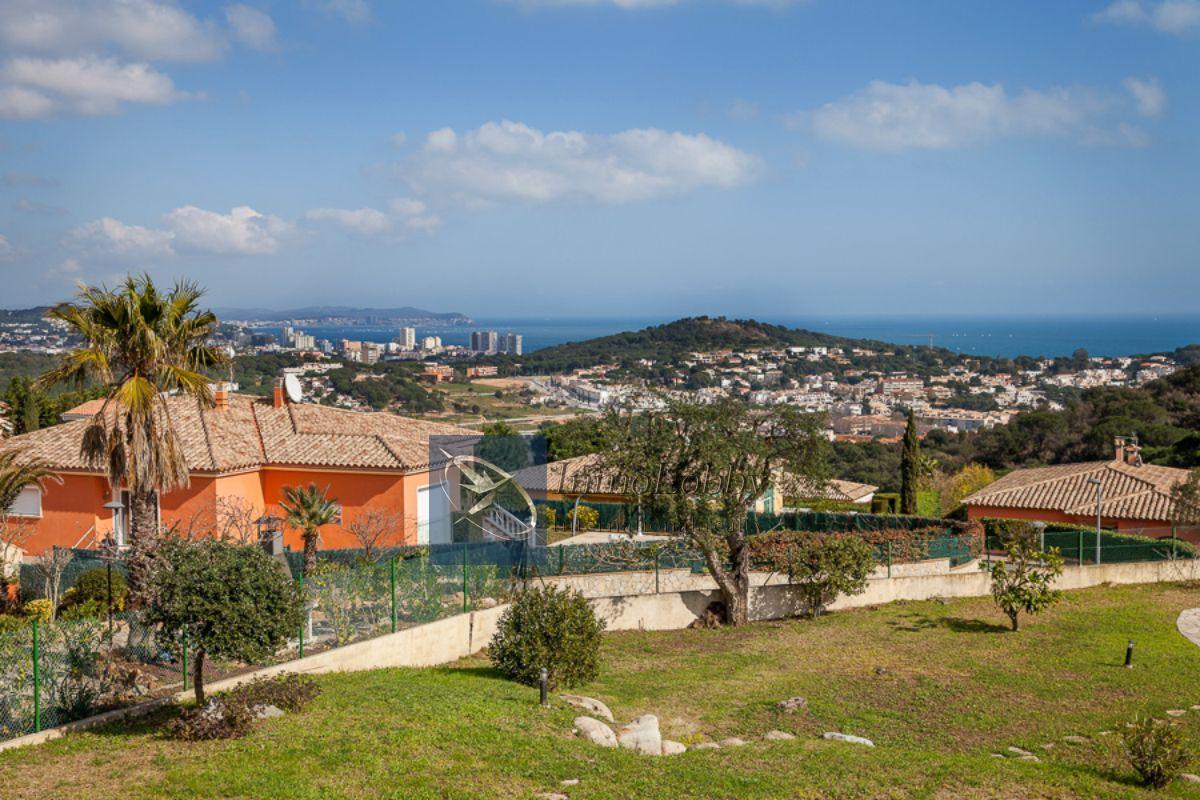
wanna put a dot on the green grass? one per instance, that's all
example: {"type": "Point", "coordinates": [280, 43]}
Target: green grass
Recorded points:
{"type": "Point", "coordinates": [938, 687]}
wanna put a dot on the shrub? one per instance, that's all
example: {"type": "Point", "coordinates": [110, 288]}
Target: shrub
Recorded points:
{"type": "Point", "coordinates": [41, 609]}
{"type": "Point", "coordinates": [547, 516]}
{"type": "Point", "coordinates": [231, 714]}
{"type": "Point", "coordinates": [551, 628]}
{"type": "Point", "coordinates": [92, 586]}
{"type": "Point", "coordinates": [585, 518]}
{"type": "Point", "coordinates": [90, 609]}
{"type": "Point", "coordinates": [821, 566]}
{"type": "Point", "coordinates": [1156, 751]}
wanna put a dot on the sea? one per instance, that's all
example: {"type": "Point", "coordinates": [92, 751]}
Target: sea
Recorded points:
{"type": "Point", "coordinates": [1001, 336]}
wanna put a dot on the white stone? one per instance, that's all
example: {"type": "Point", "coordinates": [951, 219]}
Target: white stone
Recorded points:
{"type": "Point", "coordinates": [1188, 777]}
{"type": "Point", "coordinates": [706, 746]}
{"type": "Point", "coordinates": [595, 731]}
{"type": "Point", "coordinates": [845, 737]}
{"type": "Point", "coordinates": [570, 782]}
{"type": "Point", "coordinates": [641, 735]}
{"type": "Point", "coordinates": [1030, 757]}
{"type": "Point", "coordinates": [778, 736]}
{"type": "Point", "coordinates": [267, 712]}
{"type": "Point", "coordinates": [1176, 712]}
{"type": "Point", "coordinates": [670, 748]}
{"type": "Point", "coordinates": [588, 704]}
{"type": "Point", "coordinates": [1076, 739]}
{"type": "Point", "coordinates": [732, 741]}
{"type": "Point", "coordinates": [1016, 751]}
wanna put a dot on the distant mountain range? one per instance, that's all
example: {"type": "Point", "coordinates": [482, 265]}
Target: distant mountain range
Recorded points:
{"type": "Point", "coordinates": [344, 313]}
{"type": "Point", "coordinates": [16, 315]}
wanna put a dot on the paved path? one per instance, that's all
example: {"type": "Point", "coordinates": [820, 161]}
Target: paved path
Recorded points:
{"type": "Point", "coordinates": [1189, 624]}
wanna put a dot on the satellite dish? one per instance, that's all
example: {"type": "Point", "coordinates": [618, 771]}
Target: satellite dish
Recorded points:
{"type": "Point", "coordinates": [291, 385]}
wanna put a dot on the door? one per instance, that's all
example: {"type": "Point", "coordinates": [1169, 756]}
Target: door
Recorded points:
{"type": "Point", "coordinates": [433, 514]}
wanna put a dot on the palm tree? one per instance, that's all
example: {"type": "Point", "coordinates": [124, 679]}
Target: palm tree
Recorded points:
{"type": "Point", "coordinates": [308, 508]}
{"type": "Point", "coordinates": [138, 343]}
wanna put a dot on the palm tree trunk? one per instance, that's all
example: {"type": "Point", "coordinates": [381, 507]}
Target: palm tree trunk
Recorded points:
{"type": "Point", "coordinates": [144, 538]}
{"type": "Point", "coordinates": [310, 552]}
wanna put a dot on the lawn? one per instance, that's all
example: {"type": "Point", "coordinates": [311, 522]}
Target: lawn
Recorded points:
{"type": "Point", "coordinates": [938, 686]}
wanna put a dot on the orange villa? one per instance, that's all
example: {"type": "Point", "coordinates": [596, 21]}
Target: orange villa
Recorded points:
{"type": "Point", "coordinates": [241, 453]}
{"type": "Point", "coordinates": [1134, 497]}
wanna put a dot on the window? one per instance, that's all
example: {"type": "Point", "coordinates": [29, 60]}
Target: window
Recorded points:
{"type": "Point", "coordinates": [28, 503]}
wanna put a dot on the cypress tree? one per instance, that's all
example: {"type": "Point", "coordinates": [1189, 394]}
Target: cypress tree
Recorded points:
{"type": "Point", "coordinates": [909, 457]}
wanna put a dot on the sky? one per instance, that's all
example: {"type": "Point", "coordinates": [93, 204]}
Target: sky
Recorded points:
{"type": "Point", "coordinates": [608, 157]}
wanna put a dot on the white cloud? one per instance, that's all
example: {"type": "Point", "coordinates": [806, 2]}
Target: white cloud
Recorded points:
{"type": "Point", "coordinates": [350, 10]}
{"type": "Point", "coordinates": [111, 237]}
{"type": "Point", "coordinates": [1167, 16]}
{"type": "Point", "coordinates": [243, 231]}
{"type": "Point", "coordinates": [367, 221]}
{"type": "Point", "coordinates": [251, 27]}
{"type": "Point", "coordinates": [6, 249]}
{"type": "Point", "coordinates": [511, 162]}
{"type": "Point", "coordinates": [141, 28]}
{"type": "Point", "coordinates": [414, 214]}
{"type": "Point", "coordinates": [634, 5]}
{"type": "Point", "coordinates": [888, 116]}
{"type": "Point", "coordinates": [86, 85]}
{"type": "Point", "coordinates": [17, 102]}
{"type": "Point", "coordinates": [1149, 96]}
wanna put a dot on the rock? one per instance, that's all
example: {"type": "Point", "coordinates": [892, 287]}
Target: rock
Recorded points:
{"type": "Point", "coordinates": [712, 616]}
{"type": "Point", "coordinates": [1030, 757]}
{"type": "Point", "coordinates": [595, 731]}
{"type": "Point", "coordinates": [1176, 712]}
{"type": "Point", "coordinates": [588, 704]}
{"type": "Point", "coordinates": [267, 712]}
{"type": "Point", "coordinates": [570, 782]}
{"type": "Point", "coordinates": [1188, 777]}
{"type": "Point", "coordinates": [1076, 739]}
{"type": "Point", "coordinates": [845, 737]}
{"type": "Point", "coordinates": [487, 602]}
{"type": "Point", "coordinates": [551, 796]}
{"type": "Point", "coordinates": [778, 736]}
{"type": "Point", "coordinates": [1104, 733]}
{"type": "Point", "coordinates": [881, 670]}
{"type": "Point", "coordinates": [1048, 746]}
{"type": "Point", "coordinates": [641, 735]}
{"type": "Point", "coordinates": [670, 748]}
{"type": "Point", "coordinates": [997, 755]}
{"type": "Point", "coordinates": [792, 705]}
{"type": "Point", "coordinates": [1016, 751]}
{"type": "Point", "coordinates": [706, 746]}
{"type": "Point", "coordinates": [732, 741]}
{"type": "Point", "coordinates": [1196, 708]}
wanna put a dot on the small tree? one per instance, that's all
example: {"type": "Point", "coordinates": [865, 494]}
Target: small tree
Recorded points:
{"type": "Point", "coordinates": [308, 508]}
{"type": "Point", "coordinates": [583, 518]}
{"type": "Point", "coordinates": [375, 528]}
{"type": "Point", "coordinates": [234, 601]}
{"type": "Point", "coordinates": [549, 628]}
{"type": "Point", "coordinates": [823, 567]}
{"type": "Point", "coordinates": [1185, 500]}
{"type": "Point", "coordinates": [1022, 582]}
{"type": "Point", "coordinates": [910, 467]}
{"type": "Point", "coordinates": [51, 564]}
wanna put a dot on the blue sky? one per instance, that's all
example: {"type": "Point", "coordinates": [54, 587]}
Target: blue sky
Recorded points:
{"type": "Point", "coordinates": [557, 157]}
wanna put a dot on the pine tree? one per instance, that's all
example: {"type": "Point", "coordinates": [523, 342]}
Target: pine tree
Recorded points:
{"type": "Point", "coordinates": [910, 458]}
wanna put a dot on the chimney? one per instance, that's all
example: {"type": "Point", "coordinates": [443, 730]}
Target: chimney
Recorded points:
{"type": "Point", "coordinates": [277, 399]}
{"type": "Point", "coordinates": [221, 396]}
{"type": "Point", "coordinates": [1127, 450]}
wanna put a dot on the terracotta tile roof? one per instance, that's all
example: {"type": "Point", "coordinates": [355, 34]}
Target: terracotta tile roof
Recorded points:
{"type": "Point", "coordinates": [252, 433]}
{"type": "Point", "coordinates": [579, 475]}
{"type": "Point", "coordinates": [88, 408]}
{"type": "Point", "coordinates": [1127, 491]}
{"type": "Point", "coordinates": [836, 490]}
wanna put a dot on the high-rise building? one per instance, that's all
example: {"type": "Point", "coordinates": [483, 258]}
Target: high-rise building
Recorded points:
{"type": "Point", "coordinates": [431, 343]}
{"type": "Point", "coordinates": [485, 342]}
{"type": "Point", "coordinates": [511, 343]}
{"type": "Point", "coordinates": [304, 341]}
{"type": "Point", "coordinates": [407, 338]}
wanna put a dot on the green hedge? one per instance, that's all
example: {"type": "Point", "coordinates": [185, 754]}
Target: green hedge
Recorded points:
{"type": "Point", "coordinates": [1078, 543]}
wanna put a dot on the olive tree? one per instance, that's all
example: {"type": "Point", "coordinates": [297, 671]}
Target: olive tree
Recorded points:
{"type": "Point", "coordinates": [232, 600]}
{"type": "Point", "coordinates": [1023, 581]}
{"type": "Point", "coordinates": [701, 467]}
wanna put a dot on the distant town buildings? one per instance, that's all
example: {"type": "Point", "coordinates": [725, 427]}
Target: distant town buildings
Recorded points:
{"type": "Point", "coordinates": [407, 338]}
{"type": "Point", "coordinates": [491, 343]}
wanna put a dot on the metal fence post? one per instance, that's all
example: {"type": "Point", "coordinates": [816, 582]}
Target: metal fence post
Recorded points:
{"type": "Point", "coordinates": [464, 576]}
{"type": "Point", "coordinates": [1081, 547]}
{"type": "Point", "coordinates": [184, 660]}
{"type": "Point", "coordinates": [1174, 543]}
{"type": "Point", "coordinates": [889, 557]}
{"type": "Point", "coordinates": [561, 553]}
{"type": "Point", "coordinates": [37, 682]}
{"type": "Point", "coordinates": [392, 569]}
{"type": "Point", "coordinates": [304, 613]}
{"type": "Point", "coordinates": [656, 571]}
